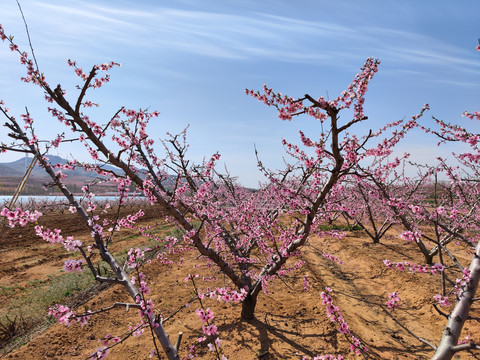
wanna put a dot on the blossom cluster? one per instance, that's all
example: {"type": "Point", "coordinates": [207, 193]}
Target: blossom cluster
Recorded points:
{"type": "Point", "coordinates": [147, 311]}
{"type": "Point", "coordinates": [137, 330]}
{"type": "Point", "coordinates": [205, 315]}
{"type": "Point", "coordinates": [354, 95]}
{"type": "Point", "coordinates": [54, 237]}
{"type": "Point", "coordinates": [415, 268]}
{"type": "Point", "coordinates": [143, 288]}
{"type": "Point", "coordinates": [334, 315]}
{"type": "Point", "coordinates": [461, 283]}
{"type": "Point", "coordinates": [210, 330]}
{"type": "Point", "coordinates": [471, 116]}
{"type": "Point", "coordinates": [211, 164]}
{"type": "Point", "coordinates": [393, 300]}
{"type": "Point", "coordinates": [33, 75]}
{"type": "Point", "coordinates": [100, 354]}
{"type": "Point", "coordinates": [98, 82]}
{"type": "Point", "coordinates": [332, 258]}
{"type": "Point", "coordinates": [66, 316]}
{"type": "Point", "coordinates": [411, 236]}
{"type": "Point", "coordinates": [73, 265]}
{"type": "Point", "coordinates": [287, 106]}
{"type": "Point", "coordinates": [222, 294]}
{"type": "Point", "coordinates": [109, 338]}
{"type": "Point", "coordinates": [20, 217]}
{"type": "Point", "coordinates": [134, 256]}
{"type": "Point", "coordinates": [306, 283]}
{"type": "Point", "coordinates": [130, 220]}
{"type": "Point", "coordinates": [441, 300]}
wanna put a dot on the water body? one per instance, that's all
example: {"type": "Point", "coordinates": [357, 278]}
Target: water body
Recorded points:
{"type": "Point", "coordinates": [52, 198]}
{"type": "Point", "coordinates": [43, 199]}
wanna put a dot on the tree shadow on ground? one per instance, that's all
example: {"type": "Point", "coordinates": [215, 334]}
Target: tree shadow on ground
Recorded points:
{"type": "Point", "coordinates": [267, 331]}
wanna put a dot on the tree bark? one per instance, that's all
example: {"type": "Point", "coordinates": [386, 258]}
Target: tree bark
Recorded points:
{"type": "Point", "coordinates": [448, 345]}
{"type": "Point", "coordinates": [248, 307]}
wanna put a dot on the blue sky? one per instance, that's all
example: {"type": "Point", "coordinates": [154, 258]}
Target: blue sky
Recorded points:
{"type": "Point", "coordinates": [191, 60]}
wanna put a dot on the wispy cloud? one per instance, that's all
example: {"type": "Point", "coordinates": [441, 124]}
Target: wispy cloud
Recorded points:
{"type": "Point", "coordinates": [410, 48]}
{"type": "Point", "coordinates": [211, 34]}
{"type": "Point", "coordinates": [231, 36]}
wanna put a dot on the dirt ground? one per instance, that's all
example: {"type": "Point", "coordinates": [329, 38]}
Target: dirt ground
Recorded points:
{"type": "Point", "coordinates": [290, 322]}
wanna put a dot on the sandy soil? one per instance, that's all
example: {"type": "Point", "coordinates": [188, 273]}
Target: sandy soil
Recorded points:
{"type": "Point", "coordinates": [290, 322]}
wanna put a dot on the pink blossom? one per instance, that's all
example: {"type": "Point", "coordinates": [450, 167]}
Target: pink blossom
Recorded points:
{"type": "Point", "coordinates": [333, 312]}
{"type": "Point", "coordinates": [306, 284]}
{"type": "Point", "coordinates": [393, 301]}
{"type": "Point", "coordinates": [415, 209]}
{"type": "Point", "coordinates": [411, 236]}
{"type": "Point", "coordinates": [209, 329]}
{"type": "Point", "coordinates": [205, 315]}
{"type": "Point", "coordinates": [20, 217]}
{"type": "Point", "coordinates": [73, 265]}
{"type": "Point", "coordinates": [100, 354]}
{"type": "Point", "coordinates": [442, 300]}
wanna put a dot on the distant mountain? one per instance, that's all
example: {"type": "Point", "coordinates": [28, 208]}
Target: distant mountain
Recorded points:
{"type": "Point", "coordinates": [11, 172]}
{"type": "Point", "coordinates": [7, 170]}
{"type": "Point", "coordinates": [17, 169]}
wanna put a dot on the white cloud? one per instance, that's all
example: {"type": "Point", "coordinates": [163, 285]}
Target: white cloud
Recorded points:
{"type": "Point", "coordinates": [243, 36]}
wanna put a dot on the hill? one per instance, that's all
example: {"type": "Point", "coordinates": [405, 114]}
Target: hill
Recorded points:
{"type": "Point", "coordinates": [18, 168]}
{"type": "Point", "coordinates": [11, 174]}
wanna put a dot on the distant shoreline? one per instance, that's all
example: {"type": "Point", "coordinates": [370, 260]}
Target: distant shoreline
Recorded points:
{"type": "Point", "coordinates": [4, 199]}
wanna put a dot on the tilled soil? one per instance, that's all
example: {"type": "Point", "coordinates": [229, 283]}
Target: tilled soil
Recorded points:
{"type": "Point", "coordinates": [290, 321]}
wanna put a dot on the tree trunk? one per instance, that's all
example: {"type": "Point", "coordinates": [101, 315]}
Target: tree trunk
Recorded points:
{"type": "Point", "coordinates": [248, 307]}
{"type": "Point", "coordinates": [168, 348]}
{"type": "Point", "coordinates": [460, 313]}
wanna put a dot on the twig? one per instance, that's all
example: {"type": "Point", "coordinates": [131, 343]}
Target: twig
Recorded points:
{"type": "Point", "coordinates": [467, 346]}
{"type": "Point", "coordinates": [117, 304]}
{"type": "Point", "coordinates": [179, 340]}
{"type": "Point", "coordinates": [407, 330]}
{"type": "Point", "coordinates": [28, 36]}
{"type": "Point", "coordinates": [440, 311]}
{"type": "Point", "coordinates": [117, 343]}
{"type": "Point", "coordinates": [178, 310]}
